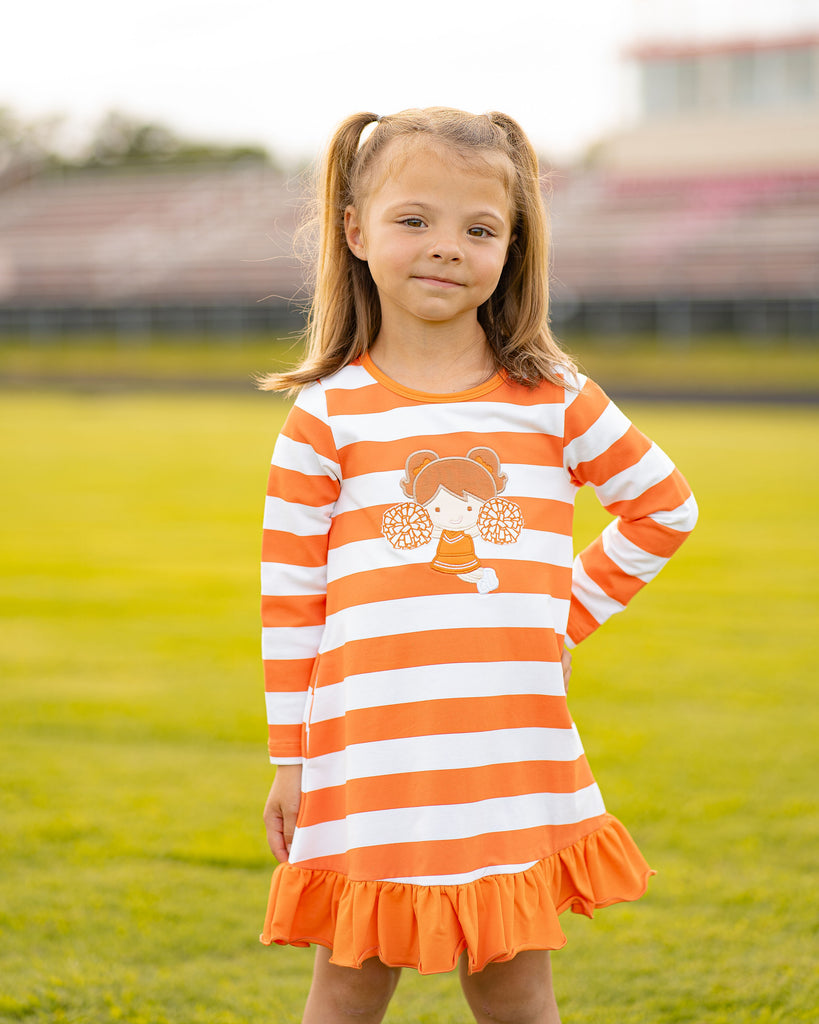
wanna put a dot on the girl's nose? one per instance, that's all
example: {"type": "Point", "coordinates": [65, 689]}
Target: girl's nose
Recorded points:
{"type": "Point", "coordinates": [445, 249]}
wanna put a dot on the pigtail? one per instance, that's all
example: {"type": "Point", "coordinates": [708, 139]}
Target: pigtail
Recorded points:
{"type": "Point", "coordinates": [516, 317]}
{"type": "Point", "coordinates": [488, 460]}
{"type": "Point", "coordinates": [415, 463]}
{"type": "Point", "coordinates": [345, 312]}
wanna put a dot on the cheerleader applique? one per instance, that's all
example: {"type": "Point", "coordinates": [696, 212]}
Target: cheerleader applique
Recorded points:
{"type": "Point", "coordinates": [453, 501]}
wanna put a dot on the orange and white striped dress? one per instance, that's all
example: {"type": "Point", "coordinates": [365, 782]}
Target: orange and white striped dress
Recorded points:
{"type": "Point", "coordinates": [447, 802]}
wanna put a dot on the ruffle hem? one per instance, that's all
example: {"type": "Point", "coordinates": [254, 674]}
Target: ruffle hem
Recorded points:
{"type": "Point", "coordinates": [428, 927]}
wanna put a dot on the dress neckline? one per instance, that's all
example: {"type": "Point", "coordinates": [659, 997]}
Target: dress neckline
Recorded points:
{"type": "Point", "coordinates": [429, 396]}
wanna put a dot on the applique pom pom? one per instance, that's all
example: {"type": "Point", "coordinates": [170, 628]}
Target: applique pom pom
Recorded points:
{"type": "Point", "coordinates": [407, 525]}
{"type": "Point", "coordinates": [500, 521]}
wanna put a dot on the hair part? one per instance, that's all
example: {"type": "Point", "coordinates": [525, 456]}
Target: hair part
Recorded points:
{"type": "Point", "coordinates": [344, 316]}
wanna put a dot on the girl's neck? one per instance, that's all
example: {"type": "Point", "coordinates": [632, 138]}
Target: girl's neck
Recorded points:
{"type": "Point", "coordinates": [434, 361]}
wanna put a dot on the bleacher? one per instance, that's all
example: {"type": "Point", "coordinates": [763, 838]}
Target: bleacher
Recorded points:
{"type": "Point", "coordinates": [712, 242]}
{"type": "Point", "coordinates": [211, 248]}
{"type": "Point", "coordinates": [205, 239]}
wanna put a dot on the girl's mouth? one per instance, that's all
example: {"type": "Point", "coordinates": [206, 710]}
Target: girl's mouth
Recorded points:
{"type": "Point", "coordinates": [441, 282]}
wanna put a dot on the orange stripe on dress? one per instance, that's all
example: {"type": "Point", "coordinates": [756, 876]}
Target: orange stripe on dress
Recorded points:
{"type": "Point", "coordinates": [292, 549]}
{"type": "Point", "coordinates": [438, 718]}
{"type": "Point", "coordinates": [526, 449]}
{"type": "Point", "coordinates": [448, 786]}
{"type": "Point", "coordinates": [294, 610]}
{"type": "Point", "coordinates": [584, 411]}
{"type": "Point", "coordinates": [287, 675]}
{"type": "Point", "coordinates": [666, 494]}
{"type": "Point", "coordinates": [305, 428]}
{"type": "Point", "coordinates": [608, 575]}
{"type": "Point", "coordinates": [581, 621]}
{"type": "Point", "coordinates": [439, 647]}
{"type": "Point", "coordinates": [652, 536]}
{"type": "Point", "coordinates": [622, 454]}
{"type": "Point", "coordinates": [284, 740]}
{"type": "Point", "coordinates": [369, 398]}
{"type": "Point", "coordinates": [413, 580]}
{"type": "Point", "coordinates": [302, 488]}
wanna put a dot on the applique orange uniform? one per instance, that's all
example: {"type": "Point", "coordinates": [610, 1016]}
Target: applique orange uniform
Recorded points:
{"type": "Point", "coordinates": [447, 802]}
{"type": "Point", "coordinates": [456, 553]}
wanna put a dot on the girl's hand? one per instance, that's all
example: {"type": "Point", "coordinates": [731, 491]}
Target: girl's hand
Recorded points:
{"type": "Point", "coordinates": [566, 664]}
{"type": "Point", "coordinates": [282, 808]}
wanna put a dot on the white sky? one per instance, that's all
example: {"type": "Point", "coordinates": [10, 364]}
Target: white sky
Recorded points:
{"type": "Point", "coordinates": [284, 72]}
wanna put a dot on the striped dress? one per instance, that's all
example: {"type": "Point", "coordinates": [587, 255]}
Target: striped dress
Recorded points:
{"type": "Point", "coordinates": [418, 587]}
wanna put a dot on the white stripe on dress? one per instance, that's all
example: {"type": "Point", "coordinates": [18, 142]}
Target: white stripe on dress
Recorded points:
{"type": "Point", "coordinates": [593, 598]}
{"type": "Point", "coordinates": [302, 458]}
{"type": "Point", "coordinates": [654, 467]}
{"type": "Point", "coordinates": [682, 518]}
{"type": "Point", "coordinates": [632, 559]}
{"type": "Point", "coordinates": [438, 612]}
{"type": "Point", "coordinates": [446, 822]}
{"type": "Point", "coordinates": [288, 642]}
{"type": "Point", "coordinates": [414, 422]}
{"type": "Point", "coordinates": [609, 427]}
{"type": "Point", "coordinates": [364, 555]}
{"type": "Point", "coordinates": [440, 752]}
{"type": "Point", "coordinates": [284, 579]}
{"type": "Point", "coordinates": [300, 520]}
{"type": "Point", "coordinates": [466, 876]}
{"type": "Point", "coordinates": [286, 708]}
{"type": "Point", "coordinates": [423, 683]}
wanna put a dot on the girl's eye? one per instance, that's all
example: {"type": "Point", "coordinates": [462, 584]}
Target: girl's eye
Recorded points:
{"type": "Point", "coordinates": [437, 509]}
{"type": "Point", "coordinates": [468, 508]}
{"type": "Point", "coordinates": [479, 232]}
{"type": "Point", "coordinates": [413, 222]}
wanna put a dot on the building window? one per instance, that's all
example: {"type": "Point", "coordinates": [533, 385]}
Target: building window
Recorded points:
{"type": "Point", "coordinates": [749, 79]}
{"type": "Point", "coordinates": [670, 85]}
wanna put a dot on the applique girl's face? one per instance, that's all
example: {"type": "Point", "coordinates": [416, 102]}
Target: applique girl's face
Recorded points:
{"type": "Point", "coordinates": [450, 512]}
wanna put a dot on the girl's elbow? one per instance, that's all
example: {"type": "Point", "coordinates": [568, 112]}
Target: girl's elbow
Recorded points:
{"type": "Point", "coordinates": [691, 514]}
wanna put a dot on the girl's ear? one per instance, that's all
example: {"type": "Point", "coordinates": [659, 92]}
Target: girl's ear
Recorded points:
{"type": "Point", "coordinates": [353, 233]}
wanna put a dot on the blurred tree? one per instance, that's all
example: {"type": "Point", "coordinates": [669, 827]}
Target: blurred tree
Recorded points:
{"type": "Point", "coordinates": [120, 140]}
{"type": "Point", "coordinates": [26, 147]}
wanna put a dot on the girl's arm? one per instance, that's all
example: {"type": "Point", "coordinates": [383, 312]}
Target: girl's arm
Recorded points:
{"type": "Point", "coordinates": [638, 484]}
{"type": "Point", "coordinates": [303, 487]}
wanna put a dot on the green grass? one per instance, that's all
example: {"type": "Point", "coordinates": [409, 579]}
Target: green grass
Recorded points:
{"type": "Point", "coordinates": [706, 365]}
{"type": "Point", "coordinates": [133, 865]}
{"type": "Point", "coordinates": [144, 359]}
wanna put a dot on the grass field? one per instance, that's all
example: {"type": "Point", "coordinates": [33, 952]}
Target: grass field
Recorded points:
{"type": "Point", "coordinates": [705, 365]}
{"type": "Point", "coordinates": [132, 745]}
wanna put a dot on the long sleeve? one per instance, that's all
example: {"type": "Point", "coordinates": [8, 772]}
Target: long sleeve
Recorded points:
{"type": "Point", "coordinates": [638, 484]}
{"type": "Point", "coordinates": [303, 487]}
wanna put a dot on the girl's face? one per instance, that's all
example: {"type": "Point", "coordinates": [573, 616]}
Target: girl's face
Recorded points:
{"type": "Point", "coordinates": [435, 235]}
{"type": "Point", "coordinates": [449, 512]}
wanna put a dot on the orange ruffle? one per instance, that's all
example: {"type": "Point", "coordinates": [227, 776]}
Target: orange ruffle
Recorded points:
{"type": "Point", "coordinates": [428, 927]}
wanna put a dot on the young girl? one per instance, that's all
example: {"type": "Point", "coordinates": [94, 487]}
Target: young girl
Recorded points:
{"type": "Point", "coordinates": [432, 804]}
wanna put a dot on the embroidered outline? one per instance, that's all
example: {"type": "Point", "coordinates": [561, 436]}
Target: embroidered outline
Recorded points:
{"type": "Point", "coordinates": [453, 500]}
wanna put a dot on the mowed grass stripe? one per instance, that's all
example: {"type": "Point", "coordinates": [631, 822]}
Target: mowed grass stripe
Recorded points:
{"type": "Point", "coordinates": [132, 744]}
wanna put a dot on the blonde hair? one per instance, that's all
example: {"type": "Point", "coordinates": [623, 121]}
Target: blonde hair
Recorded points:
{"type": "Point", "coordinates": [345, 313]}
